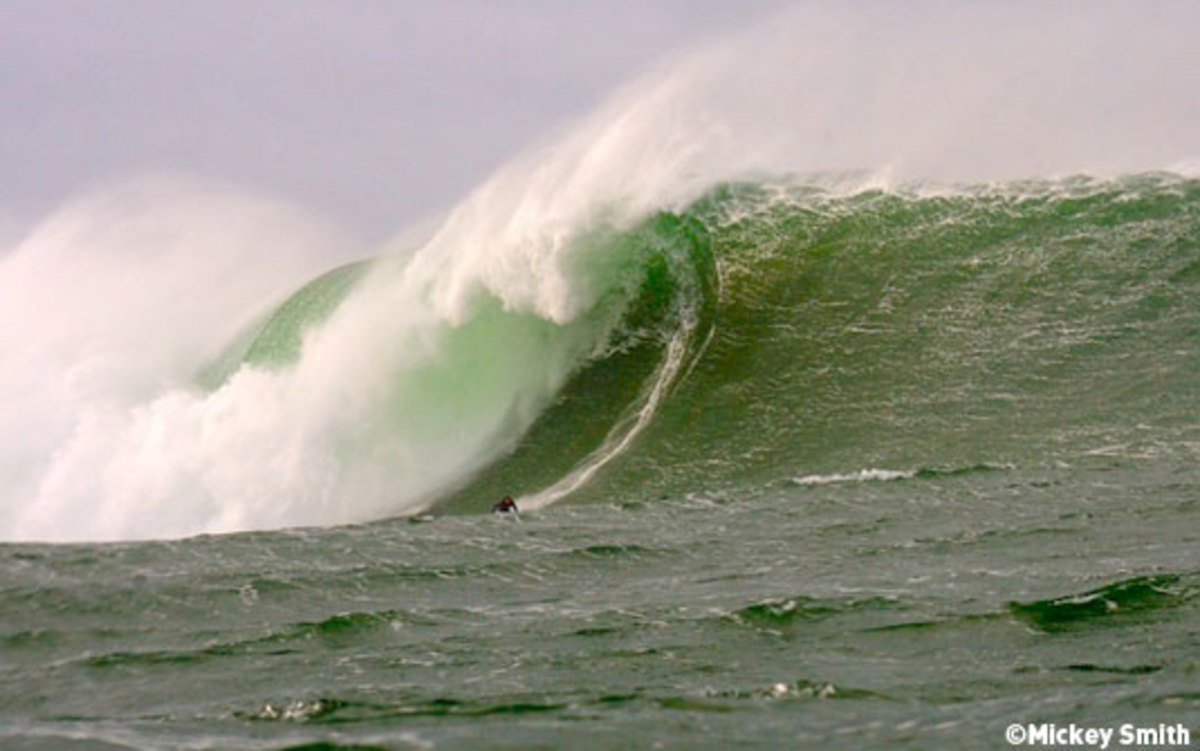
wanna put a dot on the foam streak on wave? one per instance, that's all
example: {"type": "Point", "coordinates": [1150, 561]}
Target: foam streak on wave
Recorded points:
{"type": "Point", "coordinates": [623, 435]}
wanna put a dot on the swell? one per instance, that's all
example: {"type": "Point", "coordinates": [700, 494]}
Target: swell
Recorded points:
{"type": "Point", "coordinates": [1118, 601]}
{"type": "Point", "coordinates": [949, 331]}
{"type": "Point", "coordinates": [768, 330]}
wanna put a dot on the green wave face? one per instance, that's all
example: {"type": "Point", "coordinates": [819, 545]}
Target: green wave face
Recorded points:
{"type": "Point", "coordinates": [1024, 324]}
{"type": "Point", "coordinates": [275, 340]}
{"type": "Point", "coordinates": [484, 379]}
{"type": "Point", "coordinates": [777, 330]}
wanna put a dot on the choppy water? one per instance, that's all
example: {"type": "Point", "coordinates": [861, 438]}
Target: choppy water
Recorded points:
{"type": "Point", "coordinates": [880, 470]}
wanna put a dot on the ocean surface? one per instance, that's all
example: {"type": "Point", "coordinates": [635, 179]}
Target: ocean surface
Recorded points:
{"type": "Point", "coordinates": [806, 468]}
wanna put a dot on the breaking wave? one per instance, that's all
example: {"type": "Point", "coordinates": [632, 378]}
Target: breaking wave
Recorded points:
{"type": "Point", "coordinates": [784, 256]}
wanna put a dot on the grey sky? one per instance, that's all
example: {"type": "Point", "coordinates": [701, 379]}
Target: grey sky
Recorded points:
{"type": "Point", "coordinates": [372, 113]}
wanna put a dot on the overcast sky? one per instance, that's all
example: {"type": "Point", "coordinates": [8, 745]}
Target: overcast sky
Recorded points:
{"type": "Point", "coordinates": [370, 113]}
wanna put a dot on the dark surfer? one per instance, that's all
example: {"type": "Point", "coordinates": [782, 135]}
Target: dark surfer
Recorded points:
{"type": "Point", "coordinates": [506, 505]}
